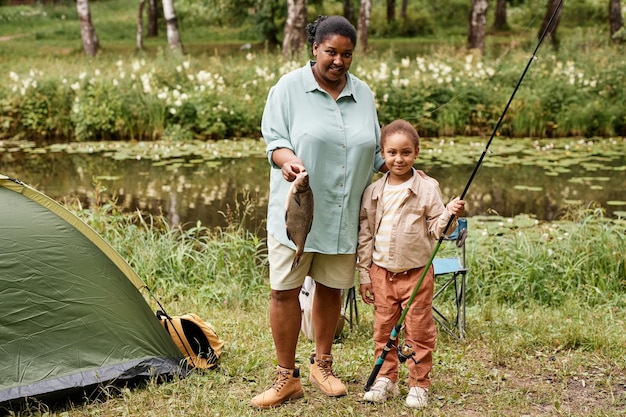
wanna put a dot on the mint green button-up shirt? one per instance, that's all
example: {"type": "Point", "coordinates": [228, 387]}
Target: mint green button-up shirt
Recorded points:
{"type": "Point", "coordinates": [339, 143]}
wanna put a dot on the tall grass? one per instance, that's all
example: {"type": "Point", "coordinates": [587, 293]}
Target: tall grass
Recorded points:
{"type": "Point", "coordinates": [581, 258]}
{"type": "Point", "coordinates": [220, 266]}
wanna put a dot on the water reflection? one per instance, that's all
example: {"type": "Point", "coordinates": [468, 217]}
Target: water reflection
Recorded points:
{"type": "Point", "coordinates": [186, 192]}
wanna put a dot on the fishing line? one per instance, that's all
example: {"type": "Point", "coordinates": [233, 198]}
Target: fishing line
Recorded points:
{"type": "Point", "coordinates": [396, 330]}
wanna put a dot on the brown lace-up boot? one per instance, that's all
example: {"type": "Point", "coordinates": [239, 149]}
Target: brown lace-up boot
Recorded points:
{"type": "Point", "coordinates": [286, 386]}
{"type": "Point", "coordinates": [321, 374]}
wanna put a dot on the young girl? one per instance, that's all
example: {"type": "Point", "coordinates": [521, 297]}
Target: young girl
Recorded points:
{"type": "Point", "coordinates": [402, 215]}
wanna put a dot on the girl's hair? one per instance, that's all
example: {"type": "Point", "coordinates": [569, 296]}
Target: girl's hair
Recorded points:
{"type": "Point", "coordinates": [326, 26]}
{"type": "Point", "coordinates": [400, 126]}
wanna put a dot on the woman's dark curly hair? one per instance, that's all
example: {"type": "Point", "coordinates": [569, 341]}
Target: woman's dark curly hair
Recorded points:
{"type": "Point", "coordinates": [326, 26]}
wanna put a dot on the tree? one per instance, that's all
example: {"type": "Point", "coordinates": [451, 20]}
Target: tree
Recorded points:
{"type": "Point", "coordinates": [403, 9]}
{"type": "Point", "coordinates": [87, 31]}
{"type": "Point", "coordinates": [140, 25]}
{"type": "Point", "coordinates": [365, 12]}
{"type": "Point", "coordinates": [615, 20]}
{"type": "Point", "coordinates": [477, 25]}
{"type": "Point", "coordinates": [294, 38]}
{"type": "Point", "coordinates": [173, 37]}
{"type": "Point", "coordinates": [153, 28]}
{"type": "Point", "coordinates": [348, 10]}
{"type": "Point", "coordinates": [500, 22]}
{"type": "Point", "coordinates": [551, 29]}
{"type": "Point", "coordinates": [391, 11]}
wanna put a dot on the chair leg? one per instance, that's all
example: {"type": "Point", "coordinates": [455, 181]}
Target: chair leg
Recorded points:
{"type": "Point", "coordinates": [351, 307]}
{"type": "Point", "coordinates": [461, 308]}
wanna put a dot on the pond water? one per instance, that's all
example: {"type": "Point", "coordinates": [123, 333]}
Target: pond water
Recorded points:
{"type": "Point", "coordinates": [199, 182]}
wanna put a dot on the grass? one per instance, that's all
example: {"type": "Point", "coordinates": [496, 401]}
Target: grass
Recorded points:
{"type": "Point", "coordinates": [523, 355]}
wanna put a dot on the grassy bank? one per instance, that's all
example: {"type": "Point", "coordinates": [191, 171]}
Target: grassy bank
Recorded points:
{"type": "Point", "coordinates": [218, 91]}
{"type": "Point", "coordinates": [544, 327]}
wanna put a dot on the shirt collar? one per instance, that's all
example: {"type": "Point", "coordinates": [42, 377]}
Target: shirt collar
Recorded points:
{"type": "Point", "coordinates": [311, 85]}
{"type": "Point", "coordinates": [418, 176]}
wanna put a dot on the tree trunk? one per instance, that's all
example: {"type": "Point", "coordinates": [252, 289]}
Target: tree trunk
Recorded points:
{"type": "Point", "coordinates": [87, 31]}
{"type": "Point", "coordinates": [403, 9]}
{"type": "Point", "coordinates": [294, 38]}
{"type": "Point", "coordinates": [551, 30]}
{"type": "Point", "coordinates": [391, 11]}
{"type": "Point", "coordinates": [500, 22]}
{"type": "Point", "coordinates": [615, 18]}
{"type": "Point", "coordinates": [477, 25]}
{"type": "Point", "coordinates": [363, 27]}
{"type": "Point", "coordinates": [140, 25]}
{"type": "Point", "coordinates": [348, 10]}
{"type": "Point", "coordinates": [173, 37]}
{"type": "Point", "coordinates": [153, 15]}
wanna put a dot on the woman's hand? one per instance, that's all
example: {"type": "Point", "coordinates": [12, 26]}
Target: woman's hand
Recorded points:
{"type": "Point", "coordinates": [290, 165]}
{"type": "Point", "coordinates": [291, 168]}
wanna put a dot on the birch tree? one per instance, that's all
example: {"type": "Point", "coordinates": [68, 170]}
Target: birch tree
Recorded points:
{"type": "Point", "coordinates": [173, 36]}
{"type": "Point", "coordinates": [365, 12]}
{"type": "Point", "coordinates": [87, 30]}
{"type": "Point", "coordinates": [295, 36]}
{"type": "Point", "coordinates": [140, 25]}
{"type": "Point", "coordinates": [615, 20]}
{"type": "Point", "coordinates": [477, 25]}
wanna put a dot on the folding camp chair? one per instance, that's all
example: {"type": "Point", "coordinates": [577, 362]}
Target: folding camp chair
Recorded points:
{"type": "Point", "coordinates": [452, 273]}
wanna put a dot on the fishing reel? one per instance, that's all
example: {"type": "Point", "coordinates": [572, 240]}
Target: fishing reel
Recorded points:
{"type": "Point", "coordinates": [405, 353]}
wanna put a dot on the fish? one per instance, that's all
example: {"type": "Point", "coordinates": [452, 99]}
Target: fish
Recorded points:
{"type": "Point", "coordinates": [299, 214]}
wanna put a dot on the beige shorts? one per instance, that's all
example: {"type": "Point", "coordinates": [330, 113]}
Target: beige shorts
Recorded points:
{"type": "Point", "coordinates": [334, 271]}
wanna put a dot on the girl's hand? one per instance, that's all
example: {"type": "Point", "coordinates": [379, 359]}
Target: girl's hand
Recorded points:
{"type": "Point", "coordinates": [456, 207]}
{"type": "Point", "coordinates": [366, 293]}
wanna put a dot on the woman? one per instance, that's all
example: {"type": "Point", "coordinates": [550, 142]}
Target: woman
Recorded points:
{"type": "Point", "coordinates": [320, 119]}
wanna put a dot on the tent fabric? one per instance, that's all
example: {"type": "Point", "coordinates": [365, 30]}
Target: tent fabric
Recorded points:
{"type": "Point", "coordinates": [72, 312]}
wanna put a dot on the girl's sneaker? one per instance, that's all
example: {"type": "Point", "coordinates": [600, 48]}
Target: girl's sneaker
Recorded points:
{"type": "Point", "coordinates": [382, 388]}
{"type": "Point", "coordinates": [417, 398]}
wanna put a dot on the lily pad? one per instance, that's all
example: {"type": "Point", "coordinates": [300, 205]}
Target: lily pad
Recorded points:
{"type": "Point", "coordinates": [527, 188]}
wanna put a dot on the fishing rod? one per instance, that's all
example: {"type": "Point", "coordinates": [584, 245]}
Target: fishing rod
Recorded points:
{"type": "Point", "coordinates": [396, 329]}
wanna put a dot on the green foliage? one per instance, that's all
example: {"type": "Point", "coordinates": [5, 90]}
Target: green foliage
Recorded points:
{"type": "Point", "coordinates": [548, 264]}
{"type": "Point", "coordinates": [220, 92]}
{"type": "Point", "coordinates": [225, 266]}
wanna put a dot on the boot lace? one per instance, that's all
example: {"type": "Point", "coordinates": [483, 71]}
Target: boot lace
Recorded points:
{"type": "Point", "coordinates": [280, 380]}
{"type": "Point", "coordinates": [325, 367]}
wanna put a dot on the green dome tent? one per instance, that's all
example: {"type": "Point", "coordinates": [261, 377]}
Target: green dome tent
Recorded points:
{"type": "Point", "coordinates": [72, 315]}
